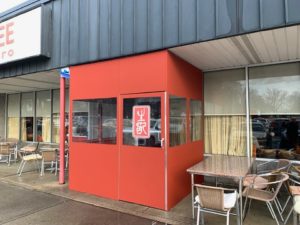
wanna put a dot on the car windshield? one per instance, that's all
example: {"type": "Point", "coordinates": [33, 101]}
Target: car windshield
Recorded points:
{"type": "Point", "coordinates": [256, 127]}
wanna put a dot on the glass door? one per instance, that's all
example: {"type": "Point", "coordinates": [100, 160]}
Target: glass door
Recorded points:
{"type": "Point", "coordinates": [142, 149]}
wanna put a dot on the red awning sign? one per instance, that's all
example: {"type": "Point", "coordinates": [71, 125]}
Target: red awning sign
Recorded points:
{"type": "Point", "coordinates": [141, 121]}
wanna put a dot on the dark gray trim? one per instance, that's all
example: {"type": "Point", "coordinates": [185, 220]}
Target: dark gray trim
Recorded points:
{"type": "Point", "coordinates": [22, 8]}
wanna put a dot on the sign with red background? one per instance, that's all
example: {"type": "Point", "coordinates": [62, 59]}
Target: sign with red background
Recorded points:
{"type": "Point", "coordinates": [141, 121]}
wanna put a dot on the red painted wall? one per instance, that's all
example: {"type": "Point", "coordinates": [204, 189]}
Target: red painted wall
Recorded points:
{"type": "Point", "coordinates": [94, 167]}
{"type": "Point", "coordinates": [183, 80]}
{"type": "Point", "coordinates": [143, 74]}
{"type": "Point", "coordinates": [121, 172]}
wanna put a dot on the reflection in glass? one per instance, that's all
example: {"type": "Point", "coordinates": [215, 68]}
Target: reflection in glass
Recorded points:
{"type": "Point", "coordinates": [195, 120]}
{"type": "Point", "coordinates": [177, 128]}
{"type": "Point", "coordinates": [43, 116]}
{"type": "Point", "coordinates": [13, 114]}
{"type": "Point", "coordinates": [27, 113]}
{"type": "Point", "coordinates": [155, 122]}
{"type": "Point", "coordinates": [55, 114]}
{"type": "Point", "coordinates": [95, 121]}
{"type": "Point", "coordinates": [275, 110]}
{"type": "Point", "coordinates": [225, 112]}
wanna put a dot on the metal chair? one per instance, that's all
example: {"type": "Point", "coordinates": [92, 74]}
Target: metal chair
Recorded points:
{"type": "Point", "coordinates": [6, 151]}
{"type": "Point", "coordinates": [293, 186]}
{"type": "Point", "coordinates": [268, 194]}
{"type": "Point", "coordinates": [33, 156]}
{"type": "Point", "coordinates": [49, 157]}
{"type": "Point", "coordinates": [216, 200]}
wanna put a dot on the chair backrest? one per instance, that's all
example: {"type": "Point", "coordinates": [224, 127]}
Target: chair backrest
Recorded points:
{"type": "Point", "coordinates": [294, 175]}
{"type": "Point", "coordinates": [274, 166]}
{"type": "Point", "coordinates": [283, 165]}
{"type": "Point", "coordinates": [5, 149]}
{"type": "Point", "coordinates": [49, 156]}
{"type": "Point", "coordinates": [274, 182]}
{"type": "Point", "coordinates": [211, 197]}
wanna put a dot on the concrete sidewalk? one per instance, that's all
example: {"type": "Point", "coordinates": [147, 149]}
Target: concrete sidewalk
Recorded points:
{"type": "Point", "coordinates": [179, 215]}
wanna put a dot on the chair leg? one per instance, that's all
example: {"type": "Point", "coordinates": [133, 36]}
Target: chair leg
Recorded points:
{"type": "Point", "coordinates": [238, 216]}
{"type": "Point", "coordinates": [244, 209]}
{"type": "Point", "coordinates": [270, 210]}
{"type": "Point", "coordinates": [42, 168]}
{"type": "Point", "coordinates": [286, 204]}
{"type": "Point", "coordinates": [9, 158]}
{"type": "Point", "coordinates": [56, 167]}
{"type": "Point", "coordinates": [271, 207]}
{"type": "Point", "coordinates": [277, 205]}
{"type": "Point", "coordinates": [288, 215]}
{"type": "Point", "coordinates": [198, 215]}
{"type": "Point", "coordinates": [277, 202]}
{"type": "Point", "coordinates": [67, 161]}
{"type": "Point", "coordinates": [295, 218]}
{"type": "Point", "coordinates": [202, 218]}
{"type": "Point", "coordinates": [37, 165]}
{"type": "Point", "coordinates": [20, 173]}
{"type": "Point", "coordinates": [227, 217]}
{"type": "Point", "coordinates": [20, 166]}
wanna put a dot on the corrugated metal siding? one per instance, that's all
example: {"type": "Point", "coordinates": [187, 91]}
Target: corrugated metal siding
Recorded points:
{"type": "Point", "coordinates": [91, 30]}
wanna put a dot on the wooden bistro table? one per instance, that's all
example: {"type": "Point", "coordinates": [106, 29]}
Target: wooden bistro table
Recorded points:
{"type": "Point", "coordinates": [235, 167]}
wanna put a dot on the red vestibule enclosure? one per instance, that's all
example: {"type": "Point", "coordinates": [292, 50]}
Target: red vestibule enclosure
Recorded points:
{"type": "Point", "coordinates": [154, 177]}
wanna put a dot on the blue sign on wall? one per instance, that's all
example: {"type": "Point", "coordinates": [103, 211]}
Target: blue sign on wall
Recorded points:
{"type": "Point", "coordinates": [65, 72]}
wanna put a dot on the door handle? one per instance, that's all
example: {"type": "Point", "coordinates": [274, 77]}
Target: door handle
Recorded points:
{"type": "Point", "coordinates": [162, 142]}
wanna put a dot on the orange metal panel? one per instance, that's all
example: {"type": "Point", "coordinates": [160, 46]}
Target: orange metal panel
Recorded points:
{"type": "Point", "coordinates": [94, 169]}
{"type": "Point", "coordinates": [143, 73]}
{"type": "Point", "coordinates": [97, 80]}
{"type": "Point", "coordinates": [134, 174]}
{"type": "Point", "coordinates": [183, 80]}
{"type": "Point", "coordinates": [142, 169]}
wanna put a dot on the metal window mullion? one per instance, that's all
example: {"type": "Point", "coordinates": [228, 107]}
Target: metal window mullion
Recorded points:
{"type": "Point", "coordinates": [34, 116]}
{"type": "Point", "coordinates": [5, 115]}
{"type": "Point", "coordinates": [51, 114]}
{"type": "Point", "coordinates": [166, 101]}
{"type": "Point", "coordinates": [20, 106]}
{"type": "Point", "coordinates": [247, 111]}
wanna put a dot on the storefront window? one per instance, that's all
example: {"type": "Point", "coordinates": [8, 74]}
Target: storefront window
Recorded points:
{"type": "Point", "coordinates": [55, 114]}
{"type": "Point", "coordinates": [177, 128]}
{"type": "Point", "coordinates": [13, 114]}
{"type": "Point", "coordinates": [27, 114]}
{"type": "Point", "coordinates": [95, 121]}
{"type": "Point", "coordinates": [195, 120]}
{"type": "Point", "coordinates": [43, 116]}
{"type": "Point", "coordinates": [155, 122]}
{"type": "Point", "coordinates": [275, 110]}
{"type": "Point", "coordinates": [225, 112]}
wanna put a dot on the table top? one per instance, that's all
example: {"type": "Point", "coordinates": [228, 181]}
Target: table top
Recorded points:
{"type": "Point", "coordinates": [48, 148]}
{"type": "Point", "coordinates": [223, 165]}
{"type": "Point", "coordinates": [28, 149]}
{"type": "Point", "coordinates": [7, 142]}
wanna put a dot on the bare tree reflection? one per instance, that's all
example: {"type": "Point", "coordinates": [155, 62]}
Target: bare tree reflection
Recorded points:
{"type": "Point", "coordinates": [275, 99]}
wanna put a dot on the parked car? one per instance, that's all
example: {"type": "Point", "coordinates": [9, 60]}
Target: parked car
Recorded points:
{"type": "Point", "coordinates": [258, 130]}
{"type": "Point", "coordinates": [265, 122]}
{"type": "Point", "coordinates": [278, 125]}
{"type": "Point", "coordinates": [155, 135]}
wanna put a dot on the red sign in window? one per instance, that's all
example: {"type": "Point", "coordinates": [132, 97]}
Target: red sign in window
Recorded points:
{"type": "Point", "coordinates": [141, 121]}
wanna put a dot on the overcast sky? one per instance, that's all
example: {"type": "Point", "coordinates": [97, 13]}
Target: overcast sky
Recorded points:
{"type": "Point", "coordinates": [8, 4]}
